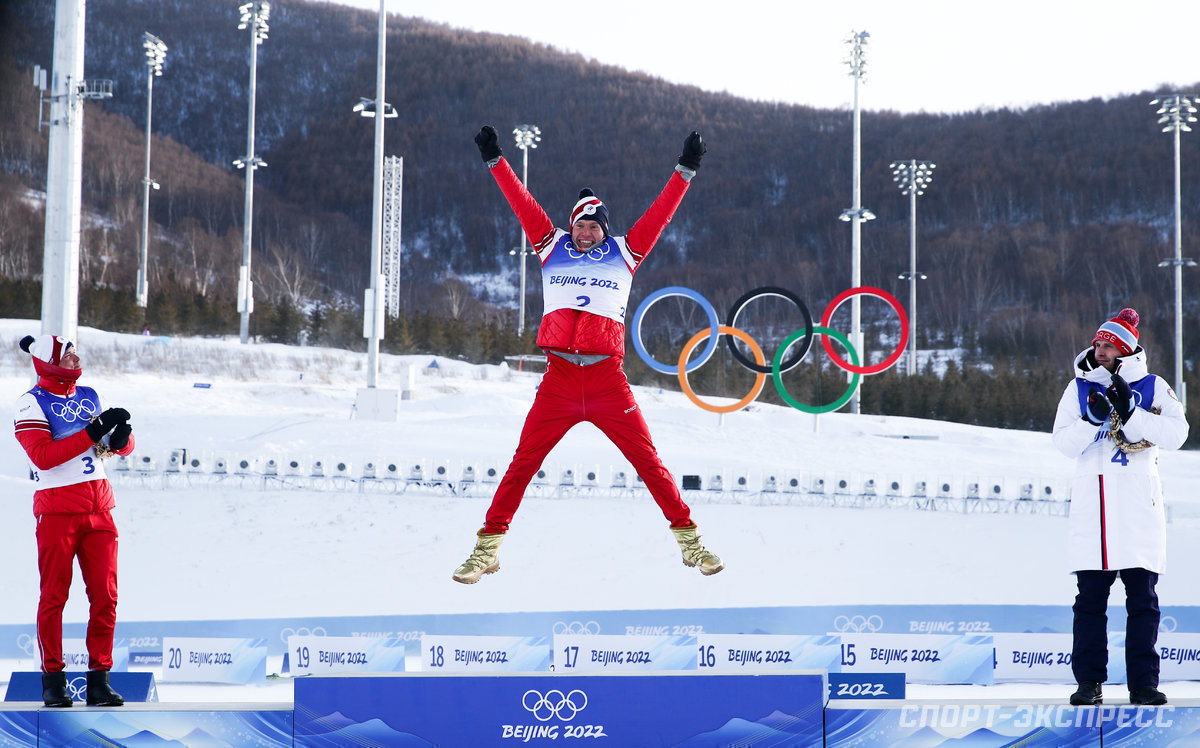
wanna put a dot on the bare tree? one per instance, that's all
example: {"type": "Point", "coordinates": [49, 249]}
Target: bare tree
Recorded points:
{"type": "Point", "coordinates": [290, 275]}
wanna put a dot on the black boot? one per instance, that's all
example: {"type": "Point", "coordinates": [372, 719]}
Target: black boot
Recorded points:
{"type": "Point", "coordinates": [1147, 696]}
{"type": "Point", "coordinates": [54, 689]}
{"type": "Point", "coordinates": [99, 693]}
{"type": "Point", "coordinates": [1088, 694]}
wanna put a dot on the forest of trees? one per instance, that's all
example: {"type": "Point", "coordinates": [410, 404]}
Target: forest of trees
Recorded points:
{"type": "Point", "coordinates": [1040, 222]}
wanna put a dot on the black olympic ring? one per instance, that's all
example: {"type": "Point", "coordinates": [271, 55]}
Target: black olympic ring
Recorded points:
{"type": "Point", "coordinates": [749, 296]}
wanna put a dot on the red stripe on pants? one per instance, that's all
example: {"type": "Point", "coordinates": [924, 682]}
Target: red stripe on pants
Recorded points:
{"type": "Point", "coordinates": [92, 538]}
{"type": "Point", "coordinates": [600, 395]}
{"type": "Point", "coordinates": [1103, 529]}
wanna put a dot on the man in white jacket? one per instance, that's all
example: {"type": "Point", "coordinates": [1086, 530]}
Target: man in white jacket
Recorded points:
{"type": "Point", "coordinates": [1113, 418]}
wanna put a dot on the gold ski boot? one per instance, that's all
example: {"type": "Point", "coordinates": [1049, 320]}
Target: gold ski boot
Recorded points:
{"type": "Point", "coordinates": [694, 552]}
{"type": "Point", "coordinates": [485, 559]}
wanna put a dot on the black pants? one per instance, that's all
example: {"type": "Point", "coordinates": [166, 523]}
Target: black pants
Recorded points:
{"type": "Point", "coordinates": [1089, 651]}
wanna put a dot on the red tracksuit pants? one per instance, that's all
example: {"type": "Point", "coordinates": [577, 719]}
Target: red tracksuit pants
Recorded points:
{"type": "Point", "coordinates": [92, 538]}
{"type": "Point", "coordinates": [598, 394]}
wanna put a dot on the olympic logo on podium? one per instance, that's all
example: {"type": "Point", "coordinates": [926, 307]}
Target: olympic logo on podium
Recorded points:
{"type": "Point", "coordinates": [554, 704]}
{"type": "Point", "coordinates": [759, 364]}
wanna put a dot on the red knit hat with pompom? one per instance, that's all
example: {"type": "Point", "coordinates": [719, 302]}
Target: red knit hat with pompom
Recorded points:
{"type": "Point", "coordinates": [1121, 331]}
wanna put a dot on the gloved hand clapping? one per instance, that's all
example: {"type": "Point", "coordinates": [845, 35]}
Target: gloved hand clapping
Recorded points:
{"type": "Point", "coordinates": [1097, 409]}
{"type": "Point", "coordinates": [1121, 397]}
{"type": "Point", "coordinates": [105, 422]}
{"type": "Point", "coordinates": [693, 150]}
{"type": "Point", "coordinates": [120, 436]}
{"type": "Point", "coordinates": [489, 143]}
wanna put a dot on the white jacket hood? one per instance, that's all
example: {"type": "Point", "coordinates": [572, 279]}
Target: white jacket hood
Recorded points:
{"type": "Point", "coordinates": [1131, 368]}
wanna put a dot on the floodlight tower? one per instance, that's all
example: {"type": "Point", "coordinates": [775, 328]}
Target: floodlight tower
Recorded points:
{"type": "Point", "coordinates": [527, 136]}
{"type": "Point", "coordinates": [64, 169]}
{"type": "Point", "coordinates": [156, 52]}
{"type": "Point", "coordinates": [254, 17]}
{"type": "Point", "coordinates": [856, 214]}
{"type": "Point", "coordinates": [374, 301]}
{"type": "Point", "coordinates": [1176, 112]}
{"type": "Point", "coordinates": [912, 177]}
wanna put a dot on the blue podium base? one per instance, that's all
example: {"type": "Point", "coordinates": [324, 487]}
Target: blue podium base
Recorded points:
{"type": "Point", "coordinates": [652, 709]}
{"type": "Point", "coordinates": [27, 686]}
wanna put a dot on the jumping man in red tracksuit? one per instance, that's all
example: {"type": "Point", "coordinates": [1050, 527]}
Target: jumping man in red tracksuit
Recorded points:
{"type": "Point", "coordinates": [586, 275]}
{"type": "Point", "coordinates": [65, 431]}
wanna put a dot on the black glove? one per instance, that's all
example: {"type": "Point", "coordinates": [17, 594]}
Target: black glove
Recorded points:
{"type": "Point", "coordinates": [120, 437]}
{"type": "Point", "coordinates": [1121, 397]}
{"type": "Point", "coordinates": [105, 422]}
{"type": "Point", "coordinates": [489, 143]}
{"type": "Point", "coordinates": [693, 150]}
{"type": "Point", "coordinates": [1097, 409]}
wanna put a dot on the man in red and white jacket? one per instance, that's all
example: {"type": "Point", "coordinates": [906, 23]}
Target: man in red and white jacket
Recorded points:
{"type": "Point", "coordinates": [586, 277]}
{"type": "Point", "coordinates": [65, 432]}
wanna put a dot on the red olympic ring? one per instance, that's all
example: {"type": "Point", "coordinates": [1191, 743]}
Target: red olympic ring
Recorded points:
{"type": "Point", "coordinates": [879, 294]}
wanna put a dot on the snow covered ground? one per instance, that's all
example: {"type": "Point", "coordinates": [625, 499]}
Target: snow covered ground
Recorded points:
{"type": "Point", "coordinates": [221, 552]}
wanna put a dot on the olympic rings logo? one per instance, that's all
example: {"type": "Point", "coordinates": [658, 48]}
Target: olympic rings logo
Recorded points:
{"type": "Point", "coordinates": [77, 688]}
{"type": "Point", "coordinates": [73, 410]}
{"type": "Point", "coordinates": [596, 253]}
{"type": "Point", "coordinates": [25, 643]}
{"type": "Point", "coordinates": [554, 704]}
{"type": "Point", "coordinates": [576, 627]}
{"type": "Point", "coordinates": [778, 364]}
{"type": "Point", "coordinates": [288, 631]}
{"type": "Point", "coordinates": [857, 624]}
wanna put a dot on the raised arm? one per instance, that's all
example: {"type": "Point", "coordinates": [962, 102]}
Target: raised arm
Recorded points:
{"type": "Point", "coordinates": [534, 221]}
{"type": "Point", "coordinates": [645, 232]}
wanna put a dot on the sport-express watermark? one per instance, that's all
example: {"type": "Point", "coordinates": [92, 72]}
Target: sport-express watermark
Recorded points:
{"type": "Point", "coordinates": [1034, 717]}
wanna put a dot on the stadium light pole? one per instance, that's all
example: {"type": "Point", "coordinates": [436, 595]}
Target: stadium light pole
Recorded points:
{"type": "Point", "coordinates": [527, 136]}
{"type": "Point", "coordinates": [1176, 112]}
{"type": "Point", "coordinates": [254, 17]}
{"type": "Point", "coordinates": [912, 177]}
{"type": "Point", "coordinates": [856, 214]}
{"type": "Point", "coordinates": [374, 301]}
{"type": "Point", "coordinates": [156, 52]}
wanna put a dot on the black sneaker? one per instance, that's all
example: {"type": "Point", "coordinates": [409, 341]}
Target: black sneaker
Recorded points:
{"type": "Point", "coordinates": [1087, 694]}
{"type": "Point", "coordinates": [1147, 696]}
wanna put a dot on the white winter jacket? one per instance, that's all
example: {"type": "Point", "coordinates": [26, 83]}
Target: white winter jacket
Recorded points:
{"type": "Point", "coordinates": [1117, 516]}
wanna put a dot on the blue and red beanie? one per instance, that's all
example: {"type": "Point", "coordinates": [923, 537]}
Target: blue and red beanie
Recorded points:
{"type": "Point", "coordinates": [1121, 331]}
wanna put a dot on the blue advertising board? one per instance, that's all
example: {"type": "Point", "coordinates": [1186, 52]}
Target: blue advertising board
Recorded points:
{"type": "Point", "coordinates": [628, 709]}
{"type": "Point", "coordinates": [19, 727]}
{"type": "Point", "coordinates": [245, 727]}
{"type": "Point", "coordinates": [967, 723]}
{"type": "Point", "coordinates": [18, 641]}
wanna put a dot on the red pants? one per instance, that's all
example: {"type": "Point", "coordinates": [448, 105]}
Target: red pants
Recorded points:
{"type": "Point", "coordinates": [93, 539]}
{"type": "Point", "coordinates": [598, 394]}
